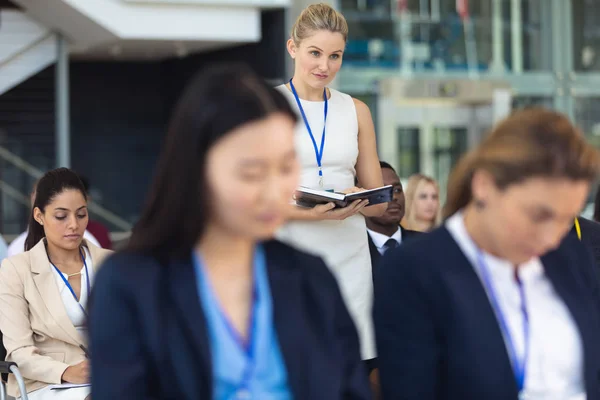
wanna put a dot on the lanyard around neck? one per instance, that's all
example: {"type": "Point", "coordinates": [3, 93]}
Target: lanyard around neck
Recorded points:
{"type": "Point", "coordinates": [68, 285]}
{"type": "Point", "coordinates": [318, 151]}
{"type": "Point", "coordinates": [578, 228]}
{"type": "Point", "coordinates": [519, 364]}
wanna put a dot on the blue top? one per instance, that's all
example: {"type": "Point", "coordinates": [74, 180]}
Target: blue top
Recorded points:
{"type": "Point", "coordinates": [255, 370]}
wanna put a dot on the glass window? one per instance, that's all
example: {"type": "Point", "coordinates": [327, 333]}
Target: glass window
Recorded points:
{"type": "Point", "coordinates": [528, 101]}
{"type": "Point", "coordinates": [436, 35]}
{"type": "Point", "coordinates": [587, 117]}
{"type": "Point", "coordinates": [409, 152]}
{"type": "Point", "coordinates": [370, 99]}
{"type": "Point", "coordinates": [586, 35]}
{"type": "Point", "coordinates": [449, 146]}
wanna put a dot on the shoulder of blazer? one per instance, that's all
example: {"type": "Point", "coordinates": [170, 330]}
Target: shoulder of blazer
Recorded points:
{"type": "Point", "coordinates": [33, 260]}
{"type": "Point", "coordinates": [590, 232]}
{"type": "Point", "coordinates": [132, 265]}
{"type": "Point", "coordinates": [286, 258]}
{"type": "Point", "coordinates": [36, 259]}
{"type": "Point", "coordinates": [423, 256]}
{"type": "Point", "coordinates": [285, 251]}
{"type": "Point", "coordinates": [98, 253]}
{"type": "Point", "coordinates": [422, 244]}
{"type": "Point", "coordinates": [579, 257]}
{"type": "Point", "coordinates": [409, 233]}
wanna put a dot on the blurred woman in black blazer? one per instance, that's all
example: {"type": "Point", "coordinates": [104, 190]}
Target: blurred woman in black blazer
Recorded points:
{"type": "Point", "coordinates": [203, 304]}
{"type": "Point", "coordinates": [507, 306]}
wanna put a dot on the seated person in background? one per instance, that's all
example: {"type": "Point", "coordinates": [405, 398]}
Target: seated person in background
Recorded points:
{"type": "Point", "coordinates": [385, 232]}
{"type": "Point", "coordinates": [18, 244]}
{"type": "Point", "coordinates": [44, 292]}
{"type": "Point", "coordinates": [3, 249]}
{"type": "Point", "coordinates": [100, 232]}
{"type": "Point", "coordinates": [422, 204]}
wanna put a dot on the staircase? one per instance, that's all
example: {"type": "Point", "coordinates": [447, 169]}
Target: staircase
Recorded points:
{"type": "Point", "coordinates": [26, 48]}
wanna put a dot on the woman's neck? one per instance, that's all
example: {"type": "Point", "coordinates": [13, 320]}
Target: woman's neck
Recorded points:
{"type": "Point", "coordinates": [63, 258]}
{"type": "Point", "coordinates": [421, 225]}
{"type": "Point", "coordinates": [225, 254]}
{"type": "Point", "coordinates": [476, 231]}
{"type": "Point", "coordinates": [305, 91]}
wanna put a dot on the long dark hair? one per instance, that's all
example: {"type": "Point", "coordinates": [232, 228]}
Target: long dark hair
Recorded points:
{"type": "Point", "coordinates": [48, 187]}
{"type": "Point", "coordinates": [532, 142]}
{"type": "Point", "coordinates": [215, 102]}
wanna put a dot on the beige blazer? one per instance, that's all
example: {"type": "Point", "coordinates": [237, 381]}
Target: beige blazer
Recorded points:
{"type": "Point", "coordinates": [38, 335]}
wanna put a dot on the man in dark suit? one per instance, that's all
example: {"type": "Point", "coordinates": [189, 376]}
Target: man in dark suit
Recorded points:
{"type": "Point", "coordinates": [385, 232]}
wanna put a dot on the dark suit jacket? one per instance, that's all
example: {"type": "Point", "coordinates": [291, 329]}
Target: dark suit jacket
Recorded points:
{"type": "Point", "coordinates": [437, 335]}
{"type": "Point", "coordinates": [149, 337]}
{"type": "Point", "coordinates": [590, 235]}
{"type": "Point", "coordinates": [407, 234]}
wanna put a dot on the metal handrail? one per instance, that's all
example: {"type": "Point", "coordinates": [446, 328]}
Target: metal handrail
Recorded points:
{"type": "Point", "coordinates": [36, 173]}
{"type": "Point", "coordinates": [14, 193]}
{"type": "Point", "coordinates": [25, 49]}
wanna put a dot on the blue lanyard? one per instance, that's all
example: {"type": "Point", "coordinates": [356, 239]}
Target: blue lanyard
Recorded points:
{"type": "Point", "coordinates": [247, 346]}
{"type": "Point", "coordinates": [519, 365]}
{"type": "Point", "coordinates": [318, 152]}
{"type": "Point", "coordinates": [68, 285]}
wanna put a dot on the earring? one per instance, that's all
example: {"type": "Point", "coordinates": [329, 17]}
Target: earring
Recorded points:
{"type": "Point", "coordinates": [479, 204]}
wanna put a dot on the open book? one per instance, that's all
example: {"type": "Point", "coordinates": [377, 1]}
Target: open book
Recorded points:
{"type": "Point", "coordinates": [306, 197]}
{"type": "Point", "coordinates": [64, 386]}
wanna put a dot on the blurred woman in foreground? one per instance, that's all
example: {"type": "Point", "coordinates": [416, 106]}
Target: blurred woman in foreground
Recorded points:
{"type": "Point", "coordinates": [507, 306]}
{"type": "Point", "coordinates": [203, 304]}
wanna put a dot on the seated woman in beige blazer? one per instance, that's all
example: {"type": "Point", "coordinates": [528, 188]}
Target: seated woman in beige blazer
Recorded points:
{"type": "Point", "coordinates": [44, 291]}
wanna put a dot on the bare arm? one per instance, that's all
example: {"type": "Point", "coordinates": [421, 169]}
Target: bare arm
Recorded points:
{"type": "Point", "coordinates": [324, 211]}
{"type": "Point", "coordinates": [368, 170]}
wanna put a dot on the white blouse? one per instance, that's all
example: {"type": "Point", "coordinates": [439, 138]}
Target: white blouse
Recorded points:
{"type": "Point", "coordinates": [75, 309]}
{"type": "Point", "coordinates": [555, 362]}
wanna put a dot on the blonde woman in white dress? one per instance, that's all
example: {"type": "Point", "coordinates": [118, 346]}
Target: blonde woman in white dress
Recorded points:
{"type": "Point", "coordinates": [335, 140]}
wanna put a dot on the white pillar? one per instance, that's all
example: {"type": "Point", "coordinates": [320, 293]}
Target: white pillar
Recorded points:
{"type": "Point", "coordinates": [406, 47]}
{"type": "Point", "coordinates": [501, 104]}
{"type": "Point", "coordinates": [516, 29]}
{"type": "Point", "coordinates": [497, 64]}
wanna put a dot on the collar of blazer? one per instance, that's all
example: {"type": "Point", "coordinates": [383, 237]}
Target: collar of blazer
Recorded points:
{"type": "Point", "coordinates": [46, 285]}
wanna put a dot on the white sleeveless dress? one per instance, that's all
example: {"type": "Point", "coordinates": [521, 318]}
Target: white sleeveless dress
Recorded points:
{"type": "Point", "coordinates": [342, 244]}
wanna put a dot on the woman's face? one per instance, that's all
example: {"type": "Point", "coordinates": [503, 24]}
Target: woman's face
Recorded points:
{"type": "Point", "coordinates": [426, 202]}
{"type": "Point", "coordinates": [252, 173]}
{"type": "Point", "coordinates": [531, 218]}
{"type": "Point", "coordinates": [318, 58]}
{"type": "Point", "coordinates": [64, 219]}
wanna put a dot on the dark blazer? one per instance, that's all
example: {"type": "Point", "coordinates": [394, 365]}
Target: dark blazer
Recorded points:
{"type": "Point", "coordinates": [149, 337]}
{"type": "Point", "coordinates": [437, 335]}
{"type": "Point", "coordinates": [407, 234]}
{"type": "Point", "coordinates": [590, 235]}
